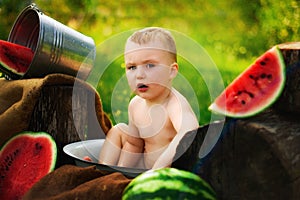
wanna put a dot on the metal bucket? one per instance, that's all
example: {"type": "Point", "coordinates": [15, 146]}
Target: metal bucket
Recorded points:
{"type": "Point", "coordinates": [57, 48]}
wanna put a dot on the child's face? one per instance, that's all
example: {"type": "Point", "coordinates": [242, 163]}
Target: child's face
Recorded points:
{"type": "Point", "coordinates": [150, 72]}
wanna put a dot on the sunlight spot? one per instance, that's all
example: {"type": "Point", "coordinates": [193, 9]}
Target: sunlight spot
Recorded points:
{"type": "Point", "coordinates": [242, 50]}
{"type": "Point", "coordinates": [284, 33]}
{"type": "Point", "coordinates": [123, 65]}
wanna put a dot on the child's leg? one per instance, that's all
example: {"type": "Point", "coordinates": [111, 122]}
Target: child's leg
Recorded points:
{"type": "Point", "coordinates": [122, 149]}
{"type": "Point", "coordinates": [111, 149]}
{"type": "Point", "coordinates": [132, 153]}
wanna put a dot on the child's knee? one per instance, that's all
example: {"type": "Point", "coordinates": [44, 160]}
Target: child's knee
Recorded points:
{"type": "Point", "coordinates": [115, 131]}
{"type": "Point", "coordinates": [122, 128]}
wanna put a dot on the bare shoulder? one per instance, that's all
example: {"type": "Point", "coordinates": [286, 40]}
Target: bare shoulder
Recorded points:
{"type": "Point", "coordinates": [135, 105]}
{"type": "Point", "coordinates": [135, 102]}
{"type": "Point", "coordinates": [181, 113]}
{"type": "Point", "coordinates": [178, 101]}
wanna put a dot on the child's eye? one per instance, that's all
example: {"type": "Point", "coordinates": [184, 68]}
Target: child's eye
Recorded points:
{"type": "Point", "coordinates": [131, 67]}
{"type": "Point", "coordinates": [149, 65]}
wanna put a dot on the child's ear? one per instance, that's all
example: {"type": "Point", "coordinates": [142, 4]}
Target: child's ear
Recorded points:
{"type": "Point", "coordinates": [174, 70]}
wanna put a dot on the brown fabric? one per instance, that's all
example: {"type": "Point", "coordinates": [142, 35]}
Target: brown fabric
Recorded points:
{"type": "Point", "coordinates": [72, 182]}
{"type": "Point", "coordinates": [18, 98]}
{"type": "Point", "coordinates": [17, 102]}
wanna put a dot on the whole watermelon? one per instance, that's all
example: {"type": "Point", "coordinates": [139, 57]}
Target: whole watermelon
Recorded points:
{"type": "Point", "coordinates": [168, 183]}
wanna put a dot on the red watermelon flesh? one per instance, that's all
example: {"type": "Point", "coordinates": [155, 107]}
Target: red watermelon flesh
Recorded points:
{"type": "Point", "coordinates": [24, 160]}
{"type": "Point", "coordinates": [254, 89]}
{"type": "Point", "coordinates": [15, 58]}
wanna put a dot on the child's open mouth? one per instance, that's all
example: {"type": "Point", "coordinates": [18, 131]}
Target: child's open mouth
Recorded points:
{"type": "Point", "coordinates": [142, 87]}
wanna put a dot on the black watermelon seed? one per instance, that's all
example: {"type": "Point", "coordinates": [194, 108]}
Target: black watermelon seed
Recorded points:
{"type": "Point", "coordinates": [269, 76]}
{"type": "Point", "coordinates": [263, 75]}
{"type": "Point", "coordinates": [263, 63]}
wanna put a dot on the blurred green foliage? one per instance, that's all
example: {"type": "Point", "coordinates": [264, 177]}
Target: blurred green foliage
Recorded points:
{"type": "Point", "coordinates": [239, 28]}
{"type": "Point", "coordinates": [9, 9]}
{"type": "Point", "coordinates": [233, 32]}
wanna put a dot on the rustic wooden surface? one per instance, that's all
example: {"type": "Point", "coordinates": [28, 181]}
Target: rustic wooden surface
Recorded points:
{"type": "Point", "coordinates": [289, 100]}
{"type": "Point", "coordinates": [66, 116]}
{"type": "Point", "coordinates": [255, 158]}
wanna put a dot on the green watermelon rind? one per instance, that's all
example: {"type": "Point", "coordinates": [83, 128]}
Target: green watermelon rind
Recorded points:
{"type": "Point", "coordinates": [10, 73]}
{"type": "Point", "coordinates": [218, 110]}
{"type": "Point", "coordinates": [3, 63]}
{"type": "Point", "coordinates": [36, 134]}
{"type": "Point", "coordinates": [168, 183]}
{"type": "Point", "coordinates": [6, 69]}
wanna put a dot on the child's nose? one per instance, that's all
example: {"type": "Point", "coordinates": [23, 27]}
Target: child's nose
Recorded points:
{"type": "Point", "coordinates": [140, 72]}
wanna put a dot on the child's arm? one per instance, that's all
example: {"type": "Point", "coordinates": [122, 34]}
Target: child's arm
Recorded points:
{"type": "Point", "coordinates": [183, 120]}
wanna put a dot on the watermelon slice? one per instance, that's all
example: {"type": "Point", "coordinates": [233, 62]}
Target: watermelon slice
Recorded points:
{"type": "Point", "coordinates": [15, 58]}
{"type": "Point", "coordinates": [254, 89]}
{"type": "Point", "coordinates": [24, 160]}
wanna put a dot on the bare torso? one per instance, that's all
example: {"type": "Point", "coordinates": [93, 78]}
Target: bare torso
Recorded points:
{"type": "Point", "coordinates": [154, 127]}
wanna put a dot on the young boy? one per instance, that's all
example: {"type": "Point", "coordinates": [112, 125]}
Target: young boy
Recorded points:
{"type": "Point", "coordinates": [159, 115]}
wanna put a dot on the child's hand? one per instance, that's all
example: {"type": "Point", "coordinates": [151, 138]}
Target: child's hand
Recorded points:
{"type": "Point", "coordinates": [87, 158]}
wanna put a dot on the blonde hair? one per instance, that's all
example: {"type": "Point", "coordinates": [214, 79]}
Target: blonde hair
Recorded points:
{"type": "Point", "coordinates": [155, 34]}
